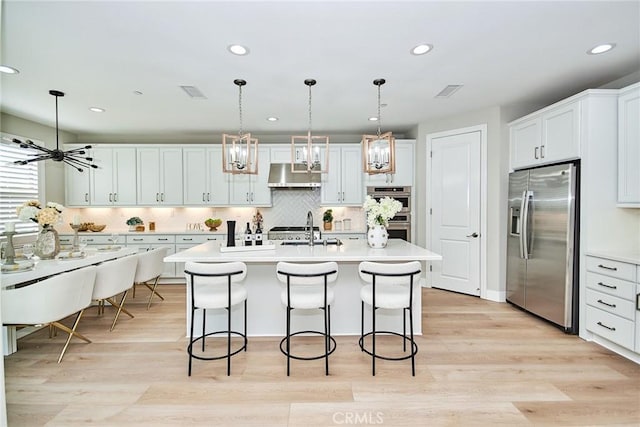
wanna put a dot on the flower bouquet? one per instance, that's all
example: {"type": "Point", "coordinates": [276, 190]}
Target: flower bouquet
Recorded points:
{"type": "Point", "coordinates": [32, 211]}
{"type": "Point", "coordinates": [380, 212]}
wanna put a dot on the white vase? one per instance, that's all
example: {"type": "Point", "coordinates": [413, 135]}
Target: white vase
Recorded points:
{"type": "Point", "coordinates": [377, 236]}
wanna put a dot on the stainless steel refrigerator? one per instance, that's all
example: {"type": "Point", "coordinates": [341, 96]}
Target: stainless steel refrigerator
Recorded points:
{"type": "Point", "coordinates": [542, 243]}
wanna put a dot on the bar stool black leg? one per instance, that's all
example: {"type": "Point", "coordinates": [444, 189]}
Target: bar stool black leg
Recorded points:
{"type": "Point", "coordinates": [245, 323]}
{"type": "Point", "coordinates": [373, 342]}
{"type": "Point", "coordinates": [228, 341]}
{"type": "Point", "coordinates": [413, 353]}
{"type": "Point", "coordinates": [204, 320]}
{"type": "Point", "coordinates": [362, 325]}
{"type": "Point", "coordinates": [288, 338]}
{"type": "Point", "coordinates": [404, 329]}
{"type": "Point", "coordinates": [191, 339]}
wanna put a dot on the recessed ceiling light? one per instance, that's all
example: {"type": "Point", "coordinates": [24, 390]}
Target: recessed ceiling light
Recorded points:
{"type": "Point", "coordinates": [272, 119]}
{"type": "Point", "coordinates": [8, 70]}
{"type": "Point", "coordinates": [421, 49]}
{"type": "Point", "coordinates": [237, 49]}
{"type": "Point", "coordinates": [373, 119]}
{"type": "Point", "coordinates": [97, 109]}
{"type": "Point", "coordinates": [601, 48]}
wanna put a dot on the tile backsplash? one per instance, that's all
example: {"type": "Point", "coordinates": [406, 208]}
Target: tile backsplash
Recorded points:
{"type": "Point", "coordinates": [289, 207]}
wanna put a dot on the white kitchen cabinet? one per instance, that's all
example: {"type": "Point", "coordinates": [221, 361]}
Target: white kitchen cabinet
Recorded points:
{"type": "Point", "coordinates": [403, 176]}
{"type": "Point", "coordinates": [204, 182]}
{"type": "Point", "coordinates": [77, 185]}
{"type": "Point", "coordinates": [249, 189]}
{"type": "Point", "coordinates": [629, 146]}
{"type": "Point", "coordinates": [159, 176]}
{"type": "Point", "coordinates": [145, 242]}
{"type": "Point", "coordinates": [342, 185]}
{"type": "Point", "coordinates": [611, 309]}
{"type": "Point", "coordinates": [113, 183]}
{"type": "Point", "coordinates": [548, 136]}
{"type": "Point", "coordinates": [280, 153]}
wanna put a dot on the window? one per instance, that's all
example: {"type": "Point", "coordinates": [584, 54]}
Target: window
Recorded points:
{"type": "Point", "coordinates": [18, 183]}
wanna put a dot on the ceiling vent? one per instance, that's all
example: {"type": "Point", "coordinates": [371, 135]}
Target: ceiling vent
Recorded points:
{"type": "Point", "coordinates": [448, 91]}
{"type": "Point", "coordinates": [193, 92]}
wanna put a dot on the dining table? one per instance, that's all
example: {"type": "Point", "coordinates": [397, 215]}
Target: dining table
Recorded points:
{"type": "Point", "coordinates": [27, 272]}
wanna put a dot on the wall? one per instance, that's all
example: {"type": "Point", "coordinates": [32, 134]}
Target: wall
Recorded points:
{"type": "Point", "coordinates": [53, 171]}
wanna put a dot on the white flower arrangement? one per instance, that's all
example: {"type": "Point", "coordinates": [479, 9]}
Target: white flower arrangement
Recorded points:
{"type": "Point", "coordinates": [32, 211]}
{"type": "Point", "coordinates": [379, 213]}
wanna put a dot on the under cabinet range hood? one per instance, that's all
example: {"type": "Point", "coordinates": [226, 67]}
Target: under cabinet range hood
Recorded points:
{"type": "Point", "coordinates": [281, 176]}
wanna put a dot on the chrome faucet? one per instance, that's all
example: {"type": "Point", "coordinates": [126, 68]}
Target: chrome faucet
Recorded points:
{"type": "Point", "coordinates": [310, 225]}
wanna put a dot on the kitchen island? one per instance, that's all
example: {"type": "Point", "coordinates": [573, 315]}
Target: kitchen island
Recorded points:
{"type": "Point", "coordinates": [265, 313]}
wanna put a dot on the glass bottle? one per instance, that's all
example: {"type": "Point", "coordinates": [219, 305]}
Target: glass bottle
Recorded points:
{"type": "Point", "coordinates": [248, 239]}
{"type": "Point", "coordinates": [258, 235]}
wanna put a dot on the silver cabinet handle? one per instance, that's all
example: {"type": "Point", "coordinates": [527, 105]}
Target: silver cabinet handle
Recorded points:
{"type": "Point", "coordinates": [607, 268]}
{"type": "Point", "coordinates": [606, 303]}
{"type": "Point", "coordinates": [111, 197]}
{"type": "Point", "coordinates": [157, 197]}
{"type": "Point", "coordinates": [338, 196]}
{"type": "Point", "coordinates": [115, 197]}
{"type": "Point", "coordinates": [186, 240]}
{"type": "Point", "coordinates": [86, 197]}
{"type": "Point", "coordinates": [162, 197]}
{"type": "Point", "coordinates": [203, 197]}
{"type": "Point", "coordinates": [163, 240]}
{"type": "Point", "coordinates": [607, 286]}
{"type": "Point", "coordinates": [607, 327]}
{"type": "Point", "coordinates": [535, 153]}
{"type": "Point", "coordinates": [542, 151]}
{"type": "Point", "coordinates": [208, 197]}
{"type": "Point", "coordinates": [638, 302]}
{"type": "Point", "coordinates": [247, 197]}
{"type": "Point", "coordinates": [137, 240]}
{"type": "Point", "coordinates": [252, 196]}
{"type": "Point", "coordinates": [343, 196]}
{"type": "Point", "coordinates": [89, 240]}
{"type": "Point", "coordinates": [474, 235]}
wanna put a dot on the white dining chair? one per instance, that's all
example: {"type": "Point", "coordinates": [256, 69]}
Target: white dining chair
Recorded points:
{"type": "Point", "coordinates": [150, 267]}
{"type": "Point", "coordinates": [113, 278]}
{"type": "Point", "coordinates": [388, 286]}
{"type": "Point", "coordinates": [49, 301]}
{"type": "Point", "coordinates": [215, 286]}
{"type": "Point", "coordinates": [308, 287]}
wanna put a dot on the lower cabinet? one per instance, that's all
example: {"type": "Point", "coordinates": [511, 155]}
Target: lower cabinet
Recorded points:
{"type": "Point", "coordinates": [146, 242]}
{"type": "Point", "coordinates": [612, 301]}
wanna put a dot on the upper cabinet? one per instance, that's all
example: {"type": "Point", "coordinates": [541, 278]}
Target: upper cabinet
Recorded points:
{"type": "Point", "coordinates": [77, 185]}
{"type": "Point", "coordinates": [405, 155]}
{"type": "Point", "coordinates": [204, 182]}
{"type": "Point", "coordinates": [252, 190]}
{"type": "Point", "coordinates": [342, 185]}
{"type": "Point", "coordinates": [159, 175]}
{"type": "Point", "coordinates": [113, 183]}
{"type": "Point", "coordinates": [549, 136]}
{"type": "Point", "coordinates": [629, 146]}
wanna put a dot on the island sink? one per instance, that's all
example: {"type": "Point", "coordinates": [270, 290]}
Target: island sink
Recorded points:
{"type": "Point", "coordinates": [315, 242]}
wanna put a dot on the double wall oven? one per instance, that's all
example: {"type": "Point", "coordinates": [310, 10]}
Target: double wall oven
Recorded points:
{"type": "Point", "coordinates": [400, 225]}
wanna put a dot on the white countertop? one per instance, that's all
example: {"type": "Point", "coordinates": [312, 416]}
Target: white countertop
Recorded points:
{"type": "Point", "coordinates": [349, 251]}
{"type": "Point", "coordinates": [615, 255]}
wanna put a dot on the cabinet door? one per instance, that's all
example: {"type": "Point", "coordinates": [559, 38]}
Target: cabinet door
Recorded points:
{"type": "Point", "coordinates": [331, 189]}
{"type": "Point", "coordinates": [261, 193]}
{"type": "Point", "coordinates": [629, 148]}
{"type": "Point", "coordinates": [561, 134]}
{"type": "Point", "coordinates": [404, 164]}
{"type": "Point", "coordinates": [218, 191]}
{"type": "Point", "coordinates": [76, 184]}
{"type": "Point", "coordinates": [195, 187]}
{"type": "Point", "coordinates": [240, 190]}
{"type": "Point", "coordinates": [171, 176]}
{"type": "Point", "coordinates": [148, 176]}
{"type": "Point", "coordinates": [124, 176]}
{"type": "Point", "coordinates": [525, 139]}
{"type": "Point", "coordinates": [281, 154]}
{"type": "Point", "coordinates": [351, 176]}
{"type": "Point", "coordinates": [102, 178]}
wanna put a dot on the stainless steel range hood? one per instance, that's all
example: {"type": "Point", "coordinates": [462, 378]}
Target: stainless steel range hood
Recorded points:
{"type": "Point", "coordinates": [281, 176]}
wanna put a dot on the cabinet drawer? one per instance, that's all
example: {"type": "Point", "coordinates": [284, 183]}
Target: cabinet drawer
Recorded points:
{"type": "Point", "coordinates": [92, 239]}
{"type": "Point", "coordinates": [621, 307]}
{"type": "Point", "coordinates": [611, 285]}
{"type": "Point", "coordinates": [621, 270]}
{"type": "Point", "coordinates": [196, 239]}
{"type": "Point", "coordinates": [611, 327]}
{"type": "Point", "coordinates": [152, 239]}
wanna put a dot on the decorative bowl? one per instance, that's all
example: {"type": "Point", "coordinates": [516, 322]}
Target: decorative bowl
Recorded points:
{"type": "Point", "coordinates": [213, 224]}
{"type": "Point", "coordinates": [97, 227]}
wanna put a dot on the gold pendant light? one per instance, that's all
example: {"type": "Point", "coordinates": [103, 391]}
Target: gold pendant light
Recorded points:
{"type": "Point", "coordinates": [378, 151]}
{"type": "Point", "coordinates": [239, 152]}
{"type": "Point", "coordinates": [307, 151]}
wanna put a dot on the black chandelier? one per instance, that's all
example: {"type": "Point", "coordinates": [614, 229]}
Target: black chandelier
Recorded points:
{"type": "Point", "coordinates": [75, 158]}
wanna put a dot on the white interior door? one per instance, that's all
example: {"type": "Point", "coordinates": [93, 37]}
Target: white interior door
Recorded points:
{"type": "Point", "coordinates": [455, 211]}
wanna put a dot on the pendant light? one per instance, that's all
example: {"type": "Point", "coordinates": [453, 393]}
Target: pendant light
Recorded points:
{"type": "Point", "coordinates": [239, 152]}
{"type": "Point", "coordinates": [378, 151]}
{"type": "Point", "coordinates": [76, 157]}
{"type": "Point", "coordinates": [306, 151]}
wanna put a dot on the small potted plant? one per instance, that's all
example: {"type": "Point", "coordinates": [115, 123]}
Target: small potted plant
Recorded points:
{"type": "Point", "coordinates": [327, 219]}
{"type": "Point", "coordinates": [135, 222]}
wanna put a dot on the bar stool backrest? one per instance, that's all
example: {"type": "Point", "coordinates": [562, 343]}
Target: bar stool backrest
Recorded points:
{"type": "Point", "coordinates": [212, 277]}
{"type": "Point", "coordinates": [389, 273]}
{"type": "Point", "coordinates": [307, 274]}
{"type": "Point", "coordinates": [150, 264]}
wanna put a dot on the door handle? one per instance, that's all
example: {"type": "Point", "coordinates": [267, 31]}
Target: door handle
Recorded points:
{"type": "Point", "coordinates": [474, 235]}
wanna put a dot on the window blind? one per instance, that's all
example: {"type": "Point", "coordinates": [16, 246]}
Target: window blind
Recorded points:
{"type": "Point", "coordinates": [18, 183]}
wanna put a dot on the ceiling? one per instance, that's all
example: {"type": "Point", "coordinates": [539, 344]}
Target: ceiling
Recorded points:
{"type": "Point", "coordinates": [100, 52]}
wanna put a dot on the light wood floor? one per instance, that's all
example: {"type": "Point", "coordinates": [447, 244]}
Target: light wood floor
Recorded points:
{"type": "Point", "coordinates": [479, 363]}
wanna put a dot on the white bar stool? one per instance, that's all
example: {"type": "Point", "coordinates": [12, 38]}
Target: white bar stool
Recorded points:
{"type": "Point", "coordinates": [307, 288]}
{"type": "Point", "coordinates": [215, 286]}
{"type": "Point", "coordinates": [389, 286]}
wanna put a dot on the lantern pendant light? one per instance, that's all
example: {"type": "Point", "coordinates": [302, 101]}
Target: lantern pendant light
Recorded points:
{"type": "Point", "coordinates": [307, 151]}
{"type": "Point", "coordinates": [378, 151]}
{"type": "Point", "coordinates": [239, 152]}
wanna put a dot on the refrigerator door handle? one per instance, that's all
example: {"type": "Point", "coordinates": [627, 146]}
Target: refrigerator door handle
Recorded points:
{"type": "Point", "coordinates": [524, 235]}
